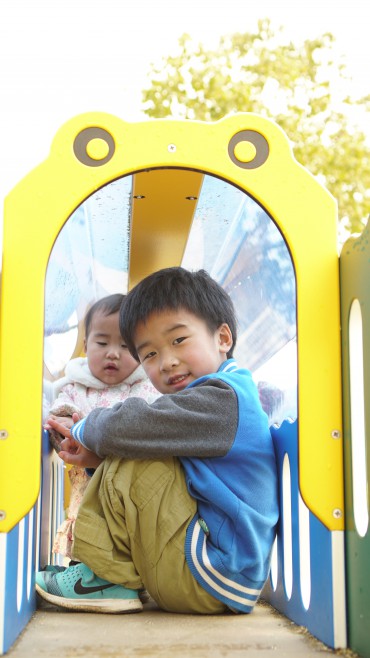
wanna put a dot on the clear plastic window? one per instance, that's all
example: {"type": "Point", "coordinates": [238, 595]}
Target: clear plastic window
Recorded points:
{"type": "Point", "coordinates": [231, 236]}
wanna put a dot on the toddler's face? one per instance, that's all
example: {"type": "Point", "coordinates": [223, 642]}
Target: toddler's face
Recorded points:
{"type": "Point", "coordinates": [107, 355]}
{"type": "Point", "coordinates": [177, 347]}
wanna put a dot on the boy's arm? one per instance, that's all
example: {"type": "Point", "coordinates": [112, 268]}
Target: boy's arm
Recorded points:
{"type": "Point", "coordinates": [200, 421]}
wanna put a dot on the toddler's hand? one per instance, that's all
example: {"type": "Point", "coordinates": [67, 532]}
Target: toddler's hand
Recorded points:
{"type": "Point", "coordinates": [73, 452]}
{"type": "Point", "coordinates": [66, 421]}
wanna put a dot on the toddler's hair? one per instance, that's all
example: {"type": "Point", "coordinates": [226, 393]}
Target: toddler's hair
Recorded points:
{"type": "Point", "coordinates": [174, 288]}
{"type": "Point", "coordinates": [107, 306]}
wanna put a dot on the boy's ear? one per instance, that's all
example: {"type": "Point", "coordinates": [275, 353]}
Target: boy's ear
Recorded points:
{"type": "Point", "coordinates": [85, 345]}
{"type": "Point", "coordinates": [225, 338]}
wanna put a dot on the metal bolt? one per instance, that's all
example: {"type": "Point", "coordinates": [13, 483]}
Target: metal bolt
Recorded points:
{"type": "Point", "coordinates": [335, 434]}
{"type": "Point", "coordinates": [3, 434]}
{"type": "Point", "coordinates": [171, 148]}
{"type": "Point", "coordinates": [2, 515]}
{"type": "Point", "coordinates": [337, 513]}
{"type": "Point", "coordinates": [139, 196]}
{"type": "Point", "coordinates": [191, 198]}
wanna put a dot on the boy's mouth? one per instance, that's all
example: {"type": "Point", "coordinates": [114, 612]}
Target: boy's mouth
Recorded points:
{"type": "Point", "coordinates": [111, 366]}
{"type": "Point", "coordinates": [177, 379]}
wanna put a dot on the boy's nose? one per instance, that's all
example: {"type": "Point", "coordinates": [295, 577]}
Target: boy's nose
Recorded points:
{"type": "Point", "coordinates": [168, 361]}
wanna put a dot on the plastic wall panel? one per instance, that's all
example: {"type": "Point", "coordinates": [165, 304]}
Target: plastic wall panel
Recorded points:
{"type": "Point", "coordinates": [321, 612]}
{"type": "Point", "coordinates": [355, 294]}
{"type": "Point", "coordinates": [27, 547]}
{"type": "Point", "coordinates": [300, 207]}
{"type": "Point", "coordinates": [17, 568]}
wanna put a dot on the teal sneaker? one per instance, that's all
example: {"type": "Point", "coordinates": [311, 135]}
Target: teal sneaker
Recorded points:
{"type": "Point", "coordinates": [53, 568]}
{"type": "Point", "coordinates": [144, 596]}
{"type": "Point", "coordinates": [78, 588]}
{"type": "Point", "coordinates": [57, 568]}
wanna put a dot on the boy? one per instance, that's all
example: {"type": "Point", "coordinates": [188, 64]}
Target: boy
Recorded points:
{"type": "Point", "coordinates": [185, 503]}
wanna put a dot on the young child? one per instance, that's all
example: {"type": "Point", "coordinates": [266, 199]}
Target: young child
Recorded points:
{"type": "Point", "coordinates": [107, 375]}
{"type": "Point", "coordinates": [185, 503]}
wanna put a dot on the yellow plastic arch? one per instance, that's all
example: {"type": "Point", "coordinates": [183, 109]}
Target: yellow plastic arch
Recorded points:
{"type": "Point", "coordinates": [251, 152]}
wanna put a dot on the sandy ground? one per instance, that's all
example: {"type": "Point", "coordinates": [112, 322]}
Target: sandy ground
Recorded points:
{"type": "Point", "coordinates": [56, 633]}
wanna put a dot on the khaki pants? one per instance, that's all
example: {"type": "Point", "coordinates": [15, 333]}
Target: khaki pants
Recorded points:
{"type": "Point", "coordinates": [131, 528]}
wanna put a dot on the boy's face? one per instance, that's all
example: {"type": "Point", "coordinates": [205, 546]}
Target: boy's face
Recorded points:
{"type": "Point", "coordinates": [177, 347]}
{"type": "Point", "coordinates": [107, 355]}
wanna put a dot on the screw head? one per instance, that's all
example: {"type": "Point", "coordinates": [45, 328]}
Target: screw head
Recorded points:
{"type": "Point", "coordinates": [337, 513]}
{"type": "Point", "coordinates": [336, 434]}
{"type": "Point", "coordinates": [171, 148]}
{"type": "Point", "coordinates": [2, 515]}
{"type": "Point", "coordinates": [3, 434]}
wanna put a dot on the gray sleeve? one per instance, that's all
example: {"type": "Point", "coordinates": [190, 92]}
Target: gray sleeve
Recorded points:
{"type": "Point", "coordinates": [198, 422]}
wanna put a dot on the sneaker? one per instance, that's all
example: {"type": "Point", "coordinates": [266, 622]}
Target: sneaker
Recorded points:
{"type": "Point", "coordinates": [78, 588]}
{"type": "Point", "coordinates": [57, 568]}
{"type": "Point", "coordinates": [144, 596]}
{"type": "Point", "coordinates": [53, 568]}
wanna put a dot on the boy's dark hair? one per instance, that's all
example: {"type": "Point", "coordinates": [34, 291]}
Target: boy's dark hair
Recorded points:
{"type": "Point", "coordinates": [171, 289]}
{"type": "Point", "coordinates": [107, 306]}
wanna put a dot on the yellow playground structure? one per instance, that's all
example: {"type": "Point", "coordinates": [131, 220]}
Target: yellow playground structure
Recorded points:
{"type": "Point", "coordinates": [116, 201]}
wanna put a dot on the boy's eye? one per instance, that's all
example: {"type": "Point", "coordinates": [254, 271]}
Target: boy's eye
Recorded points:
{"type": "Point", "coordinates": [100, 343]}
{"type": "Point", "coordinates": [177, 341]}
{"type": "Point", "coordinates": [148, 356]}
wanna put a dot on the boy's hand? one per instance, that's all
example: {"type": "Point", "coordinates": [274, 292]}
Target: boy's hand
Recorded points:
{"type": "Point", "coordinates": [73, 452]}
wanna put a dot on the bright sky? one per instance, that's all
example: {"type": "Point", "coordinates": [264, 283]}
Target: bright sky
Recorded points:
{"type": "Point", "coordinates": [59, 58]}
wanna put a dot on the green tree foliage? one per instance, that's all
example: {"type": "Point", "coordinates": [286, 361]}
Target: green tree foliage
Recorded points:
{"type": "Point", "coordinates": [304, 88]}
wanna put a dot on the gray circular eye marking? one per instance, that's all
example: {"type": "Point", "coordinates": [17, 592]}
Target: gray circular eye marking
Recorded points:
{"type": "Point", "coordinates": [259, 142]}
{"type": "Point", "coordinates": [82, 140]}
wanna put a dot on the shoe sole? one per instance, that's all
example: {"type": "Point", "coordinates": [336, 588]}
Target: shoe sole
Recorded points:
{"type": "Point", "coordinates": [113, 606]}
